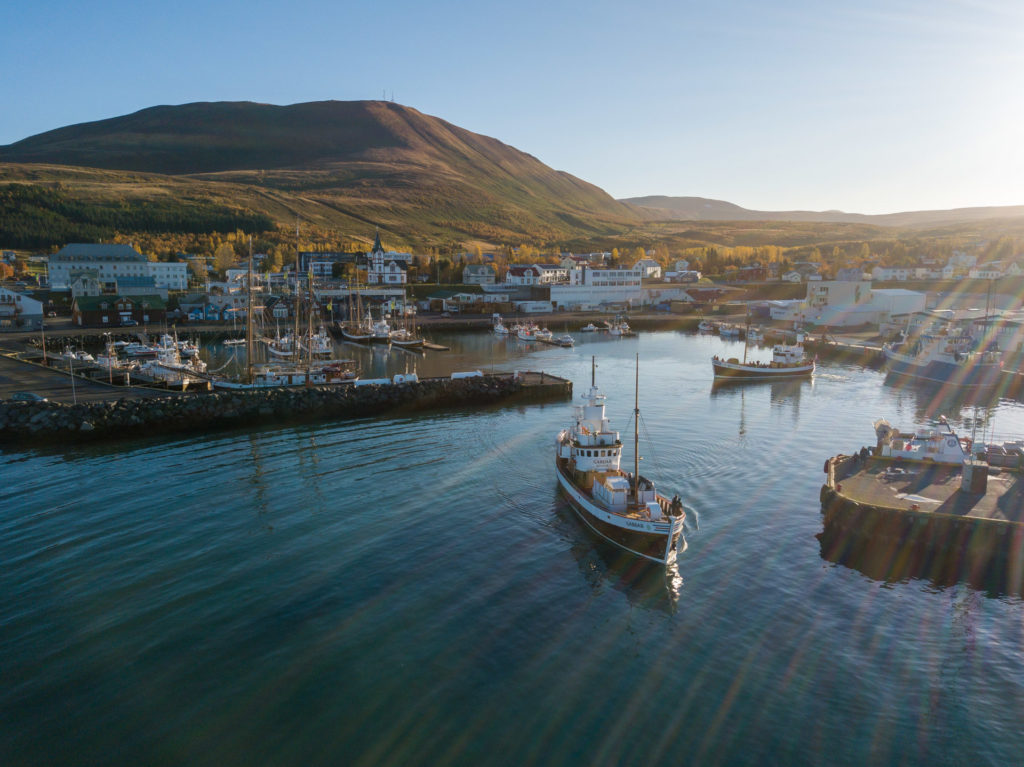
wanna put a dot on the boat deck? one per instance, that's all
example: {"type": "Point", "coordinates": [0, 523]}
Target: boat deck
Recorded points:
{"type": "Point", "coordinates": [632, 512]}
{"type": "Point", "coordinates": [930, 489]}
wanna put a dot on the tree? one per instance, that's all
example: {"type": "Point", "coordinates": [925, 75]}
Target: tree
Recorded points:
{"type": "Point", "coordinates": [223, 257]}
{"type": "Point", "coordinates": [198, 269]}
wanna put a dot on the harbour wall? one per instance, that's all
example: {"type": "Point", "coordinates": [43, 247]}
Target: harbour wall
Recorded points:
{"type": "Point", "coordinates": [23, 423]}
{"type": "Point", "coordinates": [895, 543]}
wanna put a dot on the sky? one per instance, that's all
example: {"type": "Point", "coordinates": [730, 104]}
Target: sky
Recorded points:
{"type": "Point", "coordinates": [868, 107]}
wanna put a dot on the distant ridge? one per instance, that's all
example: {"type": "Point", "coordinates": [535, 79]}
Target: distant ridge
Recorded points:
{"type": "Point", "coordinates": [657, 207]}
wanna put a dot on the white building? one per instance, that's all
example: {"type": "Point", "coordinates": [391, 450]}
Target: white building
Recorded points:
{"type": "Point", "coordinates": [990, 271]}
{"type": "Point", "coordinates": [523, 275]}
{"type": "Point", "coordinates": [892, 273]}
{"type": "Point", "coordinates": [19, 311]}
{"type": "Point", "coordinates": [847, 303]}
{"type": "Point", "coordinates": [649, 268]}
{"type": "Point", "coordinates": [478, 274]}
{"type": "Point", "coordinates": [552, 274]}
{"type": "Point", "coordinates": [389, 268]}
{"type": "Point", "coordinates": [111, 262]}
{"type": "Point", "coordinates": [593, 287]}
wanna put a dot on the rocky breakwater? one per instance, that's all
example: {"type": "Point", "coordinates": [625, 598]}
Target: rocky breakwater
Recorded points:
{"type": "Point", "coordinates": [32, 422]}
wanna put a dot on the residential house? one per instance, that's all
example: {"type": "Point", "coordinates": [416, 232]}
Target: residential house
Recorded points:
{"type": "Point", "coordinates": [649, 268]}
{"type": "Point", "coordinates": [113, 311]}
{"type": "Point", "coordinates": [478, 274]}
{"type": "Point", "coordinates": [523, 275]}
{"type": "Point", "coordinates": [992, 270]}
{"type": "Point", "coordinates": [552, 274]}
{"type": "Point", "coordinates": [892, 273]}
{"type": "Point", "coordinates": [86, 283]}
{"type": "Point", "coordinates": [570, 262]}
{"type": "Point", "coordinates": [18, 310]}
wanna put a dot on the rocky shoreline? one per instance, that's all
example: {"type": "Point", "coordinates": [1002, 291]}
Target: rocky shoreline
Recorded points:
{"type": "Point", "coordinates": [25, 423]}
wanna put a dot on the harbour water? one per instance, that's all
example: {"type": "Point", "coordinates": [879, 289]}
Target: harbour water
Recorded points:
{"type": "Point", "coordinates": [413, 590]}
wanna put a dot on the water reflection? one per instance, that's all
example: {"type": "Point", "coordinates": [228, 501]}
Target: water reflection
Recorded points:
{"type": "Point", "coordinates": [780, 392]}
{"type": "Point", "coordinates": [645, 584]}
{"type": "Point", "coordinates": [962, 407]}
{"type": "Point", "coordinates": [897, 558]}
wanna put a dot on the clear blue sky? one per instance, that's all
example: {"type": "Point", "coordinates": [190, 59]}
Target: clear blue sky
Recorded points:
{"type": "Point", "coordinates": [873, 106]}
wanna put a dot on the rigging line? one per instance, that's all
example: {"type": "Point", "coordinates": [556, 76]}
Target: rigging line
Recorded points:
{"type": "Point", "coordinates": [650, 447]}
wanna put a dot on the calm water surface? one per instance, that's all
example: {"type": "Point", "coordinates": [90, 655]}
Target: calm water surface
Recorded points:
{"type": "Point", "coordinates": [413, 590]}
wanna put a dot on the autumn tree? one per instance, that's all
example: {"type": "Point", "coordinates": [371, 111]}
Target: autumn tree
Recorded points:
{"type": "Point", "coordinates": [198, 269]}
{"type": "Point", "coordinates": [224, 257]}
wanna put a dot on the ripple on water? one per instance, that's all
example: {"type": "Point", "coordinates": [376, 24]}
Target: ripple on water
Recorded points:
{"type": "Point", "coordinates": [420, 582]}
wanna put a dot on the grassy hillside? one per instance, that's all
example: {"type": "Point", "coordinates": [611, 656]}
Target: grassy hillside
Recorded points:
{"type": "Point", "coordinates": [340, 164]}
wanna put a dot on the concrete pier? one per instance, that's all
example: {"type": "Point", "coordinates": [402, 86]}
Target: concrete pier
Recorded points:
{"type": "Point", "coordinates": [909, 511]}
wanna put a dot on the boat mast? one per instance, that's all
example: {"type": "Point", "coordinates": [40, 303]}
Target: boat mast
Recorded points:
{"type": "Point", "coordinates": [593, 369]}
{"type": "Point", "coordinates": [636, 434]}
{"type": "Point", "coordinates": [746, 336]}
{"type": "Point", "coordinates": [248, 318]}
{"type": "Point", "coordinates": [309, 327]}
{"type": "Point", "coordinates": [298, 299]}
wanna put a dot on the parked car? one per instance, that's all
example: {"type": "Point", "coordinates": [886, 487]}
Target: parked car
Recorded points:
{"type": "Point", "coordinates": [129, 323]}
{"type": "Point", "coordinates": [51, 314]}
{"type": "Point", "coordinates": [27, 396]}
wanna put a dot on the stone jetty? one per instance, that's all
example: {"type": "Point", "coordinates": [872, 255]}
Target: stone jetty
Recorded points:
{"type": "Point", "coordinates": [879, 513]}
{"type": "Point", "coordinates": [23, 423]}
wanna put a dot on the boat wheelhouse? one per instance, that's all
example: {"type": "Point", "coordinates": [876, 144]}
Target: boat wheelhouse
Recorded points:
{"type": "Point", "coordinates": [939, 445]}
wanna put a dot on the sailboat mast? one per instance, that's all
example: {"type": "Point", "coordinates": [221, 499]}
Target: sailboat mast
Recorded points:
{"type": "Point", "coordinates": [248, 318]}
{"type": "Point", "coordinates": [636, 434]}
{"type": "Point", "coordinates": [298, 298]}
{"type": "Point", "coordinates": [593, 370]}
{"type": "Point", "coordinates": [309, 328]}
{"type": "Point", "coordinates": [746, 337]}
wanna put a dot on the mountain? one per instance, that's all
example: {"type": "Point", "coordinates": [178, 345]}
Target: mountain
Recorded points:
{"type": "Point", "coordinates": [339, 164]}
{"type": "Point", "coordinates": [660, 208]}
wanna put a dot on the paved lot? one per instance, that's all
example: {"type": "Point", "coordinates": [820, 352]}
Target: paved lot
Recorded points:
{"type": "Point", "coordinates": [935, 489]}
{"type": "Point", "coordinates": [56, 385]}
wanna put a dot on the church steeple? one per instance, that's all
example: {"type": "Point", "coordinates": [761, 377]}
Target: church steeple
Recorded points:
{"type": "Point", "coordinates": [377, 248]}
